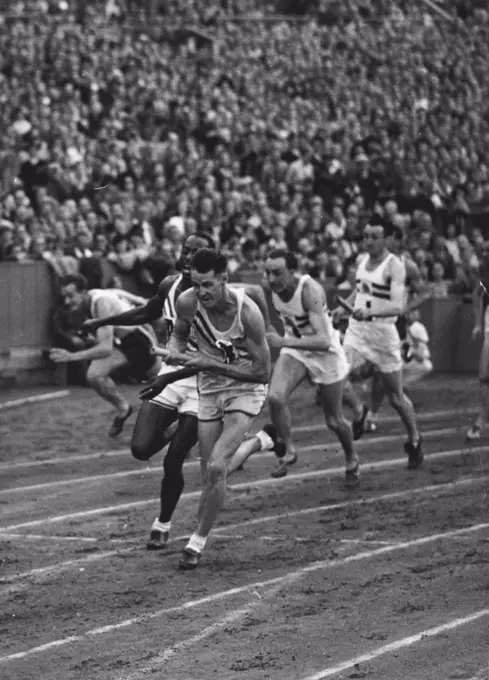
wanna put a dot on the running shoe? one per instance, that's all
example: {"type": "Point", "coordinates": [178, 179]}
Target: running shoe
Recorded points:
{"type": "Point", "coordinates": [415, 454]}
{"type": "Point", "coordinates": [189, 560]}
{"type": "Point", "coordinates": [280, 470]}
{"type": "Point", "coordinates": [158, 539]}
{"type": "Point", "coordinates": [473, 433]}
{"type": "Point", "coordinates": [352, 479]}
{"type": "Point", "coordinates": [118, 423]}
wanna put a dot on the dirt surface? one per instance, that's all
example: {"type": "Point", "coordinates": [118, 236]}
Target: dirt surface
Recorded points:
{"type": "Point", "coordinates": [301, 580]}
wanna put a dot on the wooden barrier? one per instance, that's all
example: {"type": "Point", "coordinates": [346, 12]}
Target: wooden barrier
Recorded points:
{"type": "Point", "coordinates": [28, 298]}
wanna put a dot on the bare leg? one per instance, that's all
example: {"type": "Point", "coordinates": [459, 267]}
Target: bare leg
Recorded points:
{"type": "Point", "coordinates": [287, 375]}
{"type": "Point", "coordinates": [245, 450]}
{"type": "Point", "coordinates": [401, 403]}
{"type": "Point", "coordinates": [153, 430]}
{"type": "Point", "coordinates": [352, 401]}
{"type": "Point", "coordinates": [234, 429]}
{"type": "Point", "coordinates": [98, 377]}
{"type": "Point", "coordinates": [332, 398]}
{"type": "Point", "coordinates": [377, 396]}
{"type": "Point", "coordinates": [218, 441]}
{"type": "Point", "coordinates": [209, 433]}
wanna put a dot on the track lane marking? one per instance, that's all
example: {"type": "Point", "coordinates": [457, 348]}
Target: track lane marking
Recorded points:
{"type": "Point", "coordinates": [243, 486]}
{"type": "Point", "coordinates": [91, 479]}
{"type": "Point", "coordinates": [397, 645]}
{"type": "Point", "coordinates": [52, 570]}
{"type": "Point", "coordinates": [315, 427]}
{"type": "Point", "coordinates": [239, 590]}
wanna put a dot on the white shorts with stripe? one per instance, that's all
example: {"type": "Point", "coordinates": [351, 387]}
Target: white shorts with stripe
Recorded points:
{"type": "Point", "coordinates": [373, 342]}
{"type": "Point", "coordinates": [181, 396]}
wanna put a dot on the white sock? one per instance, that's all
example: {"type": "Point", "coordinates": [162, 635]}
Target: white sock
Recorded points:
{"type": "Point", "coordinates": [161, 526]}
{"type": "Point", "coordinates": [196, 543]}
{"type": "Point", "coordinates": [266, 442]}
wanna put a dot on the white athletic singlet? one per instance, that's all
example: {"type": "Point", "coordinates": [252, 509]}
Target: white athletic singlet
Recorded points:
{"type": "Point", "coordinates": [170, 314]}
{"type": "Point", "coordinates": [118, 305]}
{"type": "Point", "coordinates": [373, 289]}
{"type": "Point", "coordinates": [323, 368]}
{"type": "Point", "coordinates": [374, 341]}
{"type": "Point", "coordinates": [224, 346]}
{"type": "Point", "coordinates": [296, 319]}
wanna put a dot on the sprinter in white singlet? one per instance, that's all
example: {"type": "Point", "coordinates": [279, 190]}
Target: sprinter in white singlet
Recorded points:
{"type": "Point", "coordinates": [115, 347]}
{"type": "Point", "coordinates": [233, 361]}
{"type": "Point", "coordinates": [412, 300]}
{"type": "Point", "coordinates": [310, 348]}
{"type": "Point", "coordinates": [168, 414]}
{"type": "Point", "coordinates": [372, 338]}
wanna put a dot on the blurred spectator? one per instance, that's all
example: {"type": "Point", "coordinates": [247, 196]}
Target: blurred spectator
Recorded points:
{"type": "Point", "coordinates": [117, 143]}
{"type": "Point", "coordinates": [439, 286]}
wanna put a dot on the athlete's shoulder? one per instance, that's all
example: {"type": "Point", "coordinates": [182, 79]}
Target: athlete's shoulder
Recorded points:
{"type": "Point", "coordinates": [165, 285]}
{"type": "Point", "coordinates": [105, 303]}
{"type": "Point", "coordinates": [256, 293]}
{"type": "Point", "coordinates": [412, 269]}
{"type": "Point", "coordinates": [252, 316]}
{"type": "Point", "coordinates": [312, 288]}
{"type": "Point", "coordinates": [395, 264]}
{"type": "Point", "coordinates": [186, 304]}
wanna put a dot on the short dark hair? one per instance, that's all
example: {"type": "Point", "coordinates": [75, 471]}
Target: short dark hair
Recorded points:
{"type": "Point", "coordinates": [289, 257]}
{"type": "Point", "coordinates": [77, 279]}
{"type": "Point", "coordinates": [208, 260]}
{"type": "Point", "coordinates": [379, 221]}
{"type": "Point", "coordinates": [205, 237]}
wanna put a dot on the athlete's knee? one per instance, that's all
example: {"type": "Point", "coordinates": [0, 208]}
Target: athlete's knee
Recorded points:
{"type": "Point", "coordinates": [216, 471]}
{"type": "Point", "coordinates": [396, 400]}
{"type": "Point", "coordinates": [139, 448]}
{"type": "Point", "coordinates": [95, 376]}
{"type": "Point", "coordinates": [276, 399]}
{"type": "Point", "coordinates": [335, 422]}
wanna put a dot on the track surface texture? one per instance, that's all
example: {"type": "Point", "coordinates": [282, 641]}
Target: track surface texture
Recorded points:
{"type": "Point", "coordinates": [301, 580]}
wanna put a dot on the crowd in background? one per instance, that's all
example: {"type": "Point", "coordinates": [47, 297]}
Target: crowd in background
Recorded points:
{"type": "Point", "coordinates": [116, 141]}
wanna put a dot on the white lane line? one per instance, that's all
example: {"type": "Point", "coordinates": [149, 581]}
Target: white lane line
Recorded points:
{"type": "Point", "coordinates": [366, 541]}
{"type": "Point", "coordinates": [231, 617]}
{"type": "Point", "coordinates": [46, 396]}
{"type": "Point", "coordinates": [117, 453]}
{"type": "Point", "coordinates": [239, 590]}
{"type": "Point", "coordinates": [327, 448]}
{"type": "Point", "coordinates": [421, 416]}
{"type": "Point", "coordinates": [243, 486]}
{"type": "Point", "coordinates": [54, 569]}
{"type": "Point", "coordinates": [397, 645]}
{"type": "Point", "coordinates": [49, 537]}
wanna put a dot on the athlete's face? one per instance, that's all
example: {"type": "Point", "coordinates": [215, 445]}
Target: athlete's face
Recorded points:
{"type": "Point", "coordinates": [374, 240]}
{"type": "Point", "coordinates": [192, 245]}
{"type": "Point", "coordinates": [72, 298]}
{"type": "Point", "coordinates": [209, 287]}
{"type": "Point", "coordinates": [278, 274]}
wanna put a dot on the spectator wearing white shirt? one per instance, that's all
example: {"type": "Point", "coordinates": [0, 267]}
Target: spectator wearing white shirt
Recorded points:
{"type": "Point", "coordinates": [335, 230]}
{"type": "Point", "coordinates": [418, 358]}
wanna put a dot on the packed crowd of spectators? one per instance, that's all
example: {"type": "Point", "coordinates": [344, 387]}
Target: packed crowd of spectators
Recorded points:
{"type": "Point", "coordinates": [117, 142]}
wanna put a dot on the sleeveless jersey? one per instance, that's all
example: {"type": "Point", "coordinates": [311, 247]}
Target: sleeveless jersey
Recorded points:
{"type": "Point", "coordinates": [296, 319]}
{"type": "Point", "coordinates": [373, 288]}
{"type": "Point", "coordinates": [117, 305]}
{"type": "Point", "coordinates": [170, 314]}
{"type": "Point", "coordinates": [224, 346]}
